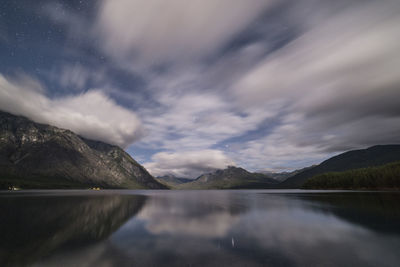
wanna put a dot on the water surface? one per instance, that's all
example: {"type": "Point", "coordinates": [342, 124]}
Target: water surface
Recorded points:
{"type": "Point", "coordinates": [199, 228]}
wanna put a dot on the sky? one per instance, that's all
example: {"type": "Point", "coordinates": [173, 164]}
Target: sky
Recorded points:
{"type": "Point", "coordinates": [189, 86]}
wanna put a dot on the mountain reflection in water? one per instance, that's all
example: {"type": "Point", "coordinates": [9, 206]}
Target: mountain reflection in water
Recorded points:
{"type": "Point", "coordinates": [200, 228]}
{"type": "Point", "coordinates": [35, 226]}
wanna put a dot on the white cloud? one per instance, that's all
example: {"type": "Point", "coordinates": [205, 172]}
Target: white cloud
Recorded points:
{"type": "Point", "coordinates": [92, 114]}
{"type": "Point", "coordinates": [187, 163]}
{"type": "Point", "coordinates": [154, 32]}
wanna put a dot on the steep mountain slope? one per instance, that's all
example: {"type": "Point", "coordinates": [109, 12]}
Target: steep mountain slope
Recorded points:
{"type": "Point", "coordinates": [230, 178]}
{"type": "Point", "coordinates": [355, 159]}
{"type": "Point", "coordinates": [34, 155]}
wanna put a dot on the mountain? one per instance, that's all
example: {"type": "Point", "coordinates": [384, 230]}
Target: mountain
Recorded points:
{"type": "Point", "coordinates": [172, 180]}
{"type": "Point", "coordinates": [282, 176]}
{"type": "Point", "coordinates": [230, 178]}
{"type": "Point", "coordinates": [382, 177]}
{"type": "Point", "coordinates": [279, 176]}
{"type": "Point", "coordinates": [355, 159]}
{"type": "Point", "coordinates": [34, 155]}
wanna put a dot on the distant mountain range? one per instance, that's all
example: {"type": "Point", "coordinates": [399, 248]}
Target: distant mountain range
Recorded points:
{"type": "Point", "coordinates": [172, 181]}
{"type": "Point", "coordinates": [230, 178]}
{"type": "Point", "coordinates": [235, 178]}
{"type": "Point", "coordinates": [34, 155]}
{"type": "Point", "coordinates": [282, 176]}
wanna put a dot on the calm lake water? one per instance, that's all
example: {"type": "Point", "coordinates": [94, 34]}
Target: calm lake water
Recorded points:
{"type": "Point", "coordinates": [199, 228]}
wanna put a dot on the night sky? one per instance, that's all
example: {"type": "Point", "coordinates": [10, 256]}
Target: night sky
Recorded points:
{"type": "Point", "coordinates": [188, 86]}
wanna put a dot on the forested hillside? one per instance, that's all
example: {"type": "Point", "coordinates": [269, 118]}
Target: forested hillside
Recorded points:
{"type": "Point", "coordinates": [381, 177]}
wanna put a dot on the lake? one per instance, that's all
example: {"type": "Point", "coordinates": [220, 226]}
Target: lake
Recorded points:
{"type": "Point", "coordinates": [199, 228]}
